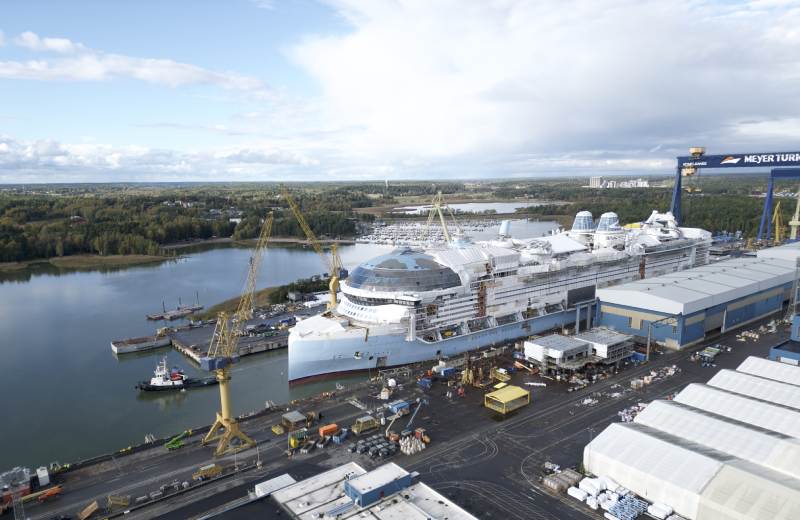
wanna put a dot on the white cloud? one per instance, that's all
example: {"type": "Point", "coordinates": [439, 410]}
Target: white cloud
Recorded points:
{"type": "Point", "coordinates": [42, 160]}
{"type": "Point", "coordinates": [471, 89]}
{"type": "Point", "coordinates": [32, 41]}
{"type": "Point", "coordinates": [264, 4]}
{"type": "Point", "coordinates": [84, 64]}
{"type": "Point", "coordinates": [449, 81]}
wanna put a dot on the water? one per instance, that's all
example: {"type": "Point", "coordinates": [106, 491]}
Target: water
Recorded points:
{"type": "Point", "coordinates": [66, 397]}
{"type": "Point", "coordinates": [472, 207]}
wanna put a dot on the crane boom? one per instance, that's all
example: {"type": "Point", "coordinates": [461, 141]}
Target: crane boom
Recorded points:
{"type": "Point", "coordinates": [222, 352]}
{"type": "Point", "coordinates": [333, 264]}
{"type": "Point", "coordinates": [226, 335]}
{"type": "Point", "coordinates": [777, 219]}
{"type": "Point", "coordinates": [794, 224]}
{"type": "Point", "coordinates": [436, 210]}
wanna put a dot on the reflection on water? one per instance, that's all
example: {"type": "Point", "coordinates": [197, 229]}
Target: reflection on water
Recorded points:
{"type": "Point", "coordinates": [59, 374]}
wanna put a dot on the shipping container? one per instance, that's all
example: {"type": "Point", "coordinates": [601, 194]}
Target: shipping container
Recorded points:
{"type": "Point", "coordinates": [328, 429]}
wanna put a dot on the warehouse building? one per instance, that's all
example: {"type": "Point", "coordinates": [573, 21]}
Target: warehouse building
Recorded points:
{"type": "Point", "coordinates": [789, 350]}
{"type": "Point", "coordinates": [599, 346]}
{"type": "Point", "coordinates": [681, 309]}
{"type": "Point", "coordinates": [349, 491]}
{"type": "Point", "coordinates": [727, 449]}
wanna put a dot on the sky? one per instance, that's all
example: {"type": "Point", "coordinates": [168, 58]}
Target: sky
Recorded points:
{"type": "Point", "coordinates": [305, 90]}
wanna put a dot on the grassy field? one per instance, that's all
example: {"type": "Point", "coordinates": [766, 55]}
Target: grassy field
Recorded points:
{"type": "Point", "coordinates": [86, 262]}
{"type": "Point", "coordinates": [229, 306]}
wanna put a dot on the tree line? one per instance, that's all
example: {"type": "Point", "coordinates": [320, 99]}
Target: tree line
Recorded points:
{"type": "Point", "coordinates": [111, 222]}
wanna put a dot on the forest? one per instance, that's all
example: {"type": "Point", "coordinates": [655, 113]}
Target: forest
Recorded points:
{"type": "Point", "coordinates": [62, 220]}
{"type": "Point", "coordinates": [109, 221]}
{"type": "Point", "coordinates": [725, 203]}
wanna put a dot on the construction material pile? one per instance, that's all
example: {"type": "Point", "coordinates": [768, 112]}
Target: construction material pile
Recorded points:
{"type": "Point", "coordinates": [411, 445]}
{"type": "Point", "coordinates": [628, 508]}
{"type": "Point", "coordinates": [630, 413]}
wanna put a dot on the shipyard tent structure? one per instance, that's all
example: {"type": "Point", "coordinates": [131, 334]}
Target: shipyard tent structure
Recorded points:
{"type": "Point", "coordinates": [762, 414]}
{"type": "Point", "coordinates": [757, 387]}
{"type": "Point", "coordinates": [765, 368]}
{"type": "Point", "coordinates": [729, 449]}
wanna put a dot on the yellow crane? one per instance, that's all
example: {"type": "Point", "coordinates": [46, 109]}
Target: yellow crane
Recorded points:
{"type": "Point", "coordinates": [794, 224]}
{"type": "Point", "coordinates": [437, 204]}
{"type": "Point", "coordinates": [334, 263]}
{"type": "Point", "coordinates": [777, 219]}
{"type": "Point", "coordinates": [223, 352]}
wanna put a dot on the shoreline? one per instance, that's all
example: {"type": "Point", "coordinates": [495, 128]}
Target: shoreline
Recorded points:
{"type": "Point", "coordinates": [79, 262]}
{"type": "Point", "coordinates": [389, 211]}
{"type": "Point", "coordinates": [251, 241]}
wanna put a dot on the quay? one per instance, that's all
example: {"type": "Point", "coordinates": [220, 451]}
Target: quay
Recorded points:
{"type": "Point", "coordinates": [194, 342]}
{"type": "Point", "coordinates": [264, 334]}
{"type": "Point", "coordinates": [490, 466]}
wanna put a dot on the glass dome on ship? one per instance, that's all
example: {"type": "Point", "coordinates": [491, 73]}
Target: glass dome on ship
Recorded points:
{"type": "Point", "coordinates": [413, 305]}
{"type": "Point", "coordinates": [403, 270]}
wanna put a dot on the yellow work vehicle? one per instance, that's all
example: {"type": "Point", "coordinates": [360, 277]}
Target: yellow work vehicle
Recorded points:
{"type": "Point", "coordinates": [206, 472]}
{"type": "Point", "coordinates": [364, 424]}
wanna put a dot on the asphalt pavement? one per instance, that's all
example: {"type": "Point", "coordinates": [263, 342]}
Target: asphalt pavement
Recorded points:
{"type": "Point", "coordinates": [491, 467]}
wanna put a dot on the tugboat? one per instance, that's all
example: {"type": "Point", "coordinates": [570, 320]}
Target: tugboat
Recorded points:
{"type": "Point", "coordinates": [165, 379]}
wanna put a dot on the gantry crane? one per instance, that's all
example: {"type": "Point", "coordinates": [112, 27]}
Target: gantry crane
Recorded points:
{"type": "Point", "coordinates": [334, 263]}
{"type": "Point", "coordinates": [223, 352]}
{"type": "Point", "coordinates": [794, 224]}
{"type": "Point", "coordinates": [436, 210]}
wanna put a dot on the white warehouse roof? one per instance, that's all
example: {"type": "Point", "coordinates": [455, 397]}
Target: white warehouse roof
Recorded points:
{"type": "Point", "coordinates": [323, 496]}
{"type": "Point", "coordinates": [695, 289]}
{"type": "Point", "coordinates": [775, 417]}
{"type": "Point", "coordinates": [757, 445]}
{"type": "Point", "coordinates": [785, 252]}
{"type": "Point", "coordinates": [757, 387]}
{"type": "Point", "coordinates": [765, 368]}
{"type": "Point", "coordinates": [657, 466]}
{"type": "Point", "coordinates": [729, 449]}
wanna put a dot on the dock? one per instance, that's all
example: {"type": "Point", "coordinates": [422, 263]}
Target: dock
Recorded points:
{"type": "Point", "coordinates": [180, 312]}
{"type": "Point", "coordinates": [194, 342]}
{"type": "Point", "coordinates": [492, 468]}
{"type": "Point", "coordinates": [263, 335]}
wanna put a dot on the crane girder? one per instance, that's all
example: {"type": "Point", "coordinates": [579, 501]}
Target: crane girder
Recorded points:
{"type": "Point", "coordinates": [334, 263]}
{"type": "Point", "coordinates": [227, 331]}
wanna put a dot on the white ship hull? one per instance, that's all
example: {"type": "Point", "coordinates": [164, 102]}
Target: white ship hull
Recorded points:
{"type": "Point", "coordinates": [352, 350]}
{"type": "Point", "coordinates": [412, 305]}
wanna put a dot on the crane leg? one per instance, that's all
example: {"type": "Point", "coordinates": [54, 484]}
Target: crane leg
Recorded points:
{"type": "Point", "coordinates": [225, 427]}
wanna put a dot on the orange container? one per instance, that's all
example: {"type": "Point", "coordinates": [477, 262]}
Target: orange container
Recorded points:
{"type": "Point", "coordinates": [328, 429]}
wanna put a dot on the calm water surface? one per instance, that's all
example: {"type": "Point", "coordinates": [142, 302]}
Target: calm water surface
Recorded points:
{"type": "Point", "coordinates": [473, 207]}
{"type": "Point", "coordinates": [66, 397]}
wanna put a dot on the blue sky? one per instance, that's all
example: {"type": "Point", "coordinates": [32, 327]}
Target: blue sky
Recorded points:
{"type": "Point", "coordinates": [373, 89]}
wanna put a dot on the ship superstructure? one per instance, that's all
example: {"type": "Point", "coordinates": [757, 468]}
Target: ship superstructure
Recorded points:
{"type": "Point", "coordinates": [416, 304]}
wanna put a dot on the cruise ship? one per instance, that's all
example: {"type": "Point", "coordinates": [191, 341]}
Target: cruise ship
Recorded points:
{"type": "Point", "coordinates": [417, 304]}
